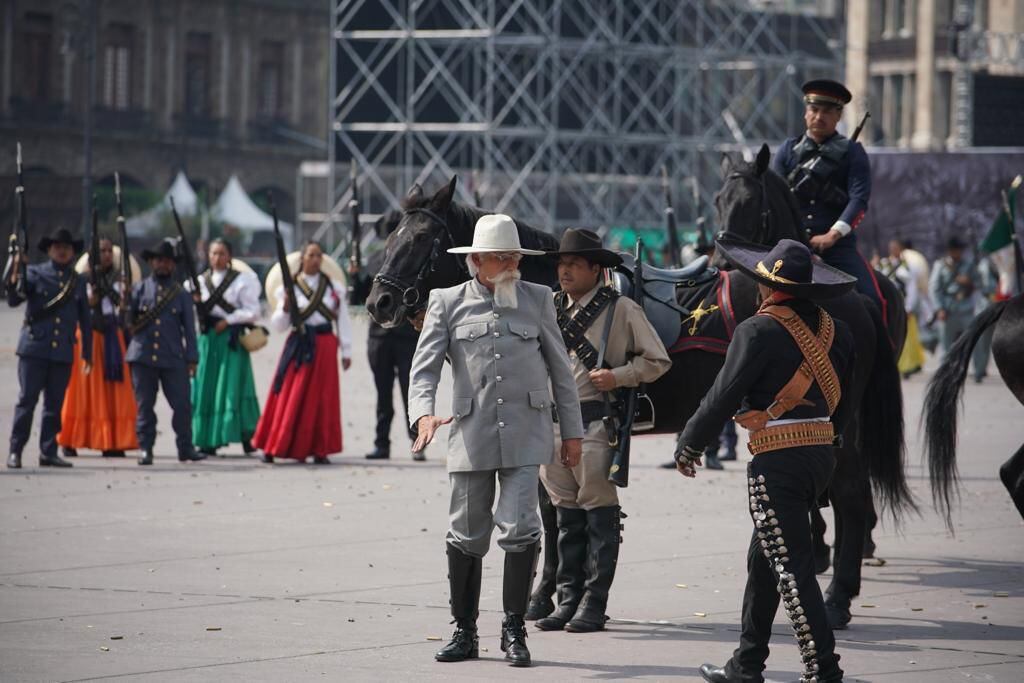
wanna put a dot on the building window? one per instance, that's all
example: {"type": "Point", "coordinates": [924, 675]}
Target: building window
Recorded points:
{"type": "Point", "coordinates": [271, 74]}
{"type": "Point", "coordinates": [899, 18]}
{"type": "Point", "coordinates": [117, 61]}
{"type": "Point", "coordinates": [37, 41]}
{"type": "Point", "coordinates": [198, 70]}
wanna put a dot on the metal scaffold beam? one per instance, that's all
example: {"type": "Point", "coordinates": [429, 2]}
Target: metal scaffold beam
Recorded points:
{"type": "Point", "coordinates": [562, 112]}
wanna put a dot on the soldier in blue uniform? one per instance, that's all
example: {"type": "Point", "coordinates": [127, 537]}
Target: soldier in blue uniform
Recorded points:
{"type": "Point", "coordinates": [57, 302]}
{"type": "Point", "coordinates": [163, 351]}
{"type": "Point", "coordinates": [831, 178]}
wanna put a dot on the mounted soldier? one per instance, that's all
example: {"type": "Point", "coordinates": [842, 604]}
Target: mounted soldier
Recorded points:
{"type": "Point", "coordinates": [830, 175]}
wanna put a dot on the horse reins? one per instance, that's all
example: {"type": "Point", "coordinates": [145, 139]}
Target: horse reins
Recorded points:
{"type": "Point", "coordinates": [411, 293]}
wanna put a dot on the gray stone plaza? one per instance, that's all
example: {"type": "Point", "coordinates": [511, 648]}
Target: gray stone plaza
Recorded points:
{"type": "Point", "coordinates": [230, 569]}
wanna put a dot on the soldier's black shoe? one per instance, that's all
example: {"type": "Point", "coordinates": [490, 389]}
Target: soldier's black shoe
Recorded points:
{"type": "Point", "coordinates": [513, 640]}
{"type": "Point", "coordinates": [14, 461]}
{"type": "Point", "coordinates": [53, 461]}
{"type": "Point", "coordinates": [321, 461]}
{"type": "Point", "coordinates": [838, 616]}
{"type": "Point", "coordinates": [208, 452]}
{"type": "Point", "coordinates": [465, 643]}
{"type": "Point", "coordinates": [541, 606]}
{"type": "Point", "coordinates": [379, 453]}
{"type": "Point", "coordinates": [147, 457]}
{"type": "Point", "coordinates": [191, 456]}
{"type": "Point", "coordinates": [68, 452]}
{"type": "Point", "coordinates": [712, 462]}
{"type": "Point", "coordinates": [113, 454]}
{"type": "Point", "coordinates": [248, 447]}
{"type": "Point", "coordinates": [714, 674]}
{"type": "Point", "coordinates": [268, 459]}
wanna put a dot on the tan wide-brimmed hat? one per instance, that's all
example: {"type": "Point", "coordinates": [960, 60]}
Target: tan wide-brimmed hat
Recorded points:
{"type": "Point", "coordinates": [495, 232]}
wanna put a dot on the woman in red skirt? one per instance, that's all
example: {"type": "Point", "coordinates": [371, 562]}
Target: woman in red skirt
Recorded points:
{"type": "Point", "coordinates": [302, 417]}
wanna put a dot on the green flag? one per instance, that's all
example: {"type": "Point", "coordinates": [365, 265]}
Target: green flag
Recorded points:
{"type": "Point", "coordinates": [1000, 235]}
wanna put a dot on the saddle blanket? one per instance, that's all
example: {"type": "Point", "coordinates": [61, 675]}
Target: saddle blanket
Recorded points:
{"type": "Point", "coordinates": [712, 319]}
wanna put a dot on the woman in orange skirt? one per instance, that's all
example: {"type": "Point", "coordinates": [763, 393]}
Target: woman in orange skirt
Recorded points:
{"type": "Point", "coordinates": [302, 415]}
{"type": "Point", "coordinates": [99, 408]}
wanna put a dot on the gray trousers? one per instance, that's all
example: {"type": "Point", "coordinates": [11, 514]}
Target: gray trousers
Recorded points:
{"type": "Point", "coordinates": [953, 326]}
{"type": "Point", "coordinates": [470, 515]}
{"type": "Point", "coordinates": [37, 376]}
{"type": "Point", "coordinates": [177, 389]}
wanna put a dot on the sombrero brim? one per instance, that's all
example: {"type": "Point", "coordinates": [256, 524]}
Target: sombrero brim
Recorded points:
{"type": "Point", "coordinates": [604, 257]}
{"type": "Point", "coordinates": [826, 282]}
{"type": "Point", "coordinates": [490, 250]}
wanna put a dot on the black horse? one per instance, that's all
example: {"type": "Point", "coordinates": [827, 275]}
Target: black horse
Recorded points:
{"type": "Point", "coordinates": [945, 391]}
{"type": "Point", "coordinates": [416, 263]}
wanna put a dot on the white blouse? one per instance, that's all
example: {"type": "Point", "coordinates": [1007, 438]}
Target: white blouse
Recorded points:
{"type": "Point", "coordinates": [334, 299]}
{"type": "Point", "coordinates": [243, 293]}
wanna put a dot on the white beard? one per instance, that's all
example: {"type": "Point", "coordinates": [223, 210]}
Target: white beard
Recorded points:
{"type": "Point", "coordinates": [505, 293]}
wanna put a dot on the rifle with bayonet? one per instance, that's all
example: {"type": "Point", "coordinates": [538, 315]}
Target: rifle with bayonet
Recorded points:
{"type": "Point", "coordinates": [17, 247]}
{"type": "Point", "coordinates": [126, 258]}
{"type": "Point", "coordinates": [94, 260]}
{"type": "Point", "coordinates": [358, 282]}
{"type": "Point", "coordinates": [618, 473]}
{"type": "Point", "coordinates": [675, 255]}
{"type": "Point", "coordinates": [287, 282]}
{"type": "Point", "coordinates": [190, 266]}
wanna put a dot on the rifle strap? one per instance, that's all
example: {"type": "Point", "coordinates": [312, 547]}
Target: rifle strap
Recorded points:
{"type": "Point", "coordinates": [610, 428]}
{"type": "Point", "coordinates": [153, 313]}
{"type": "Point", "coordinates": [56, 302]}
{"type": "Point", "coordinates": [574, 328]}
{"type": "Point", "coordinates": [216, 297]}
{"type": "Point", "coordinates": [316, 299]}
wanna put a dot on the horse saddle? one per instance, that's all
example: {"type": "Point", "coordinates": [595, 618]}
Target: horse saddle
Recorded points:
{"type": "Point", "coordinates": [660, 286]}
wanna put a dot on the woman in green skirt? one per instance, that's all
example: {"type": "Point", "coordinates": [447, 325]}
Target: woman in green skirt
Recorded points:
{"type": "Point", "coordinates": [225, 409]}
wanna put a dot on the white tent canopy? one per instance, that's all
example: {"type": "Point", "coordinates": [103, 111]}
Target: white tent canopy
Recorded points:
{"type": "Point", "coordinates": [234, 207]}
{"type": "Point", "coordinates": [185, 200]}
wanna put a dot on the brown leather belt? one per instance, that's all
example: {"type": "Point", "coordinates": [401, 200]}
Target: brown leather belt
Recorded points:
{"type": "Point", "coordinates": [791, 436]}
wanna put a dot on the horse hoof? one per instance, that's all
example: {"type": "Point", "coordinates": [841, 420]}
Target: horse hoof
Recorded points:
{"type": "Point", "coordinates": [838, 617]}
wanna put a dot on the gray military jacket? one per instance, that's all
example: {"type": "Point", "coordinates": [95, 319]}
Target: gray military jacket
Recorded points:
{"type": "Point", "coordinates": [503, 361]}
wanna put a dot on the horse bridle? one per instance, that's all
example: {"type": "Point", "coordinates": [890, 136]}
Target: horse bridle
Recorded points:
{"type": "Point", "coordinates": [762, 236]}
{"type": "Point", "coordinates": [411, 293]}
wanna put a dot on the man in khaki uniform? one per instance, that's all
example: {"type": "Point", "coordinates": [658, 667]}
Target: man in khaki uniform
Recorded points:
{"type": "Point", "coordinates": [587, 504]}
{"type": "Point", "coordinates": [502, 341]}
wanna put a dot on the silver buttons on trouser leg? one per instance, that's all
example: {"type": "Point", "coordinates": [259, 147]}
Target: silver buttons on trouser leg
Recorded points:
{"type": "Point", "coordinates": [773, 545]}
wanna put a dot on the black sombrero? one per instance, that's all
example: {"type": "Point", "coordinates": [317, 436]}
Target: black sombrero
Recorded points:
{"type": "Point", "coordinates": [586, 243]}
{"type": "Point", "coordinates": [788, 267]}
{"type": "Point", "coordinates": [825, 91]}
{"type": "Point", "coordinates": [60, 236]}
{"type": "Point", "coordinates": [165, 248]}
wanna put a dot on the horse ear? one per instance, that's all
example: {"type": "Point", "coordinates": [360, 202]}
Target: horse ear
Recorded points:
{"type": "Point", "coordinates": [726, 164]}
{"type": "Point", "coordinates": [443, 198]}
{"type": "Point", "coordinates": [415, 193]}
{"type": "Point", "coordinates": [764, 155]}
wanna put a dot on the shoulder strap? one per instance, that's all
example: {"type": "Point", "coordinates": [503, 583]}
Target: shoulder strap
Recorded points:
{"type": "Point", "coordinates": [57, 301]}
{"type": "Point", "coordinates": [153, 313]}
{"type": "Point", "coordinates": [816, 367]}
{"type": "Point", "coordinates": [217, 295]}
{"type": "Point", "coordinates": [574, 328]}
{"type": "Point", "coordinates": [315, 299]}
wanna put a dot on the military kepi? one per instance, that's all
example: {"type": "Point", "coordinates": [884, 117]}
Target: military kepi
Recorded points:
{"type": "Point", "coordinates": [824, 91]}
{"type": "Point", "coordinates": [788, 267]}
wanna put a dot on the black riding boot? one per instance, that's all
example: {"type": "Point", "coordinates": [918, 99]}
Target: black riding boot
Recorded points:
{"type": "Point", "coordinates": [464, 574]}
{"type": "Point", "coordinates": [572, 555]}
{"type": "Point", "coordinates": [603, 535]}
{"type": "Point", "coordinates": [541, 604]}
{"type": "Point", "coordinates": [517, 580]}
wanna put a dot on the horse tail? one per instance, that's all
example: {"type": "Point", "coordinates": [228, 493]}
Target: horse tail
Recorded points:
{"type": "Point", "coordinates": [941, 406]}
{"type": "Point", "coordinates": [880, 427]}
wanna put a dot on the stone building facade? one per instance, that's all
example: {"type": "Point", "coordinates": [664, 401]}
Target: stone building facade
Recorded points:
{"type": "Point", "coordinates": [213, 87]}
{"type": "Point", "coordinates": [937, 74]}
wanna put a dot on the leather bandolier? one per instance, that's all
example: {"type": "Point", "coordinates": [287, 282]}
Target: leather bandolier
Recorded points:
{"type": "Point", "coordinates": [216, 297]}
{"type": "Point", "coordinates": [574, 330]}
{"type": "Point", "coordinates": [816, 367]}
{"type": "Point", "coordinates": [151, 314]}
{"type": "Point", "coordinates": [316, 299]}
{"type": "Point", "coordinates": [56, 302]}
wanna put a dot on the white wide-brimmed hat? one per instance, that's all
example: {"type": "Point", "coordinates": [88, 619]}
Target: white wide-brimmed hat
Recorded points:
{"type": "Point", "coordinates": [495, 232]}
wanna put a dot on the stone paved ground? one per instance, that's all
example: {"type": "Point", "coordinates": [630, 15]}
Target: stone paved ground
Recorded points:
{"type": "Point", "coordinates": [233, 570]}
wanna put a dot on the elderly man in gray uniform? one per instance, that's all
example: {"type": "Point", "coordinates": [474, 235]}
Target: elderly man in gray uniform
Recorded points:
{"type": "Point", "coordinates": [502, 339]}
{"type": "Point", "coordinates": [163, 351]}
{"type": "Point", "coordinates": [57, 303]}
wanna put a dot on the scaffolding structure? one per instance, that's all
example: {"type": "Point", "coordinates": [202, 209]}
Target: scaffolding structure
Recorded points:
{"type": "Point", "coordinates": [562, 112]}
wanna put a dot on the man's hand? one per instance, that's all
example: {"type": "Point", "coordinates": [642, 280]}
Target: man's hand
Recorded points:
{"type": "Point", "coordinates": [821, 243]}
{"type": "Point", "coordinates": [687, 461]}
{"type": "Point", "coordinates": [572, 451]}
{"type": "Point", "coordinates": [346, 363]}
{"type": "Point", "coordinates": [197, 297]}
{"type": "Point", "coordinates": [192, 369]}
{"type": "Point", "coordinates": [941, 314]}
{"type": "Point", "coordinates": [602, 379]}
{"type": "Point", "coordinates": [221, 326]}
{"type": "Point", "coordinates": [417, 320]}
{"type": "Point", "coordinates": [86, 367]}
{"type": "Point", "coordinates": [426, 426]}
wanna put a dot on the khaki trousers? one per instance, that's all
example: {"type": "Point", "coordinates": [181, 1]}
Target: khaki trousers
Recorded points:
{"type": "Point", "coordinates": [585, 486]}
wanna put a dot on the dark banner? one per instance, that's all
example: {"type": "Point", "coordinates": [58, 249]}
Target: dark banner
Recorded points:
{"type": "Point", "coordinates": [929, 196]}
